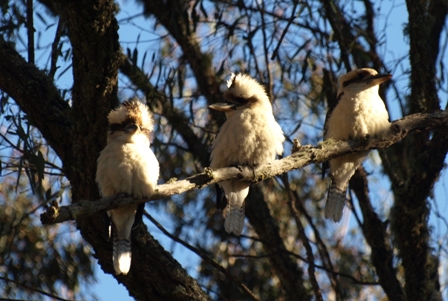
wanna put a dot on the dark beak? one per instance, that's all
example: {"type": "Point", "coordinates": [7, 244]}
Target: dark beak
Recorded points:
{"type": "Point", "coordinates": [223, 106]}
{"type": "Point", "coordinates": [378, 79]}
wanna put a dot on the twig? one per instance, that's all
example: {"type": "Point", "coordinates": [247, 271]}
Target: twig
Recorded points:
{"type": "Point", "coordinates": [291, 19]}
{"type": "Point", "coordinates": [293, 199]}
{"type": "Point", "coordinates": [321, 267]}
{"type": "Point", "coordinates": [54, 48]}
{"type": "Point", "coordinates": [33, 289]}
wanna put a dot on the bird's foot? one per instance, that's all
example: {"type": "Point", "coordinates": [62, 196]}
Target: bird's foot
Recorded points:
{"type": "Point", "coordinates": [365, 140]}
{"type": "Point", "coordinates": [296, 145]}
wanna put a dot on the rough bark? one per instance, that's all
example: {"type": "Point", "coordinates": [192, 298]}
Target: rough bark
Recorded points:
{"type": "Point", "coordinates": [423, 157]}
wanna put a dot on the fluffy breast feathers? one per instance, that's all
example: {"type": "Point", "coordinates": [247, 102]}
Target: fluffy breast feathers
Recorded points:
{"type": "Point", "coordinates": [127, 164]}
{"type": "Point", "coordinates": [359, 110]}
{"type": "Point", "coordinates": [250, 135]}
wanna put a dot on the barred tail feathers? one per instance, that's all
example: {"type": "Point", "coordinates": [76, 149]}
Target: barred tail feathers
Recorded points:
{"type": "Point", "coordinates": [236, 193]}
{"type": "Point", "coordinates": [234, 216]}
{"type": "Point", "coordinates": [122, 220]}
{"type": "Point", "coordinates": [341, 170]}
{"type": "Point", "coordinates": [121, 255]}
{"type": "Point", "coordinates": [335, 203]}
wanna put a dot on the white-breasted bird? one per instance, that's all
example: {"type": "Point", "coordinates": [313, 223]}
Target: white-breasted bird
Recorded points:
{"type": "Point", "coordinates": [358, 113]}
{"type": "Point", "coordinates": [127, 165]}
{"type": "Point", "coordinates": [250, 136]}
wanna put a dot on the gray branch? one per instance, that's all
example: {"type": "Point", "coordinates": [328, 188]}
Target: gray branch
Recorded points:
{"type": "Point", "coordinates": [302, 156]}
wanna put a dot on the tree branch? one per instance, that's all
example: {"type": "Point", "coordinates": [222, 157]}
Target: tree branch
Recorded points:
{"type": "Point", "coordinates": [37, 96]}
{"type": "Point", "coordinates": [424, 158]}
{"type": "Point", "coordinates": [205, 257]}
{"type": "Point", "coordinates": [374, 230]}
{"type": "Point", "coordinates": [173, 15]}
{"type": "Point", "coordinates": [304, 156]}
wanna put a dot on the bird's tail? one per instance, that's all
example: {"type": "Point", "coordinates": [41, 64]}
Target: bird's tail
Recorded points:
{"type": "Point", "coordinates": [335, 203]}
{"type": "Point", "coordinates": [121, 255]}
{"type": "Point", "coordinates": [234, 219]}
{"type": "Point", "coordinates": [234, 211]}
{"type": "Point", "coordinates": [122, 222]}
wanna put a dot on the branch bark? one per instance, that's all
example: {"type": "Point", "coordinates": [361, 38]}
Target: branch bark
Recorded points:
{"type": "Point", "coordinates": [37, 96]}
{"type": "Point", "coordinates": [374, 230]}
{"type": "Point", "coordinates": [174, 16]}
{"type": "Point", "coordinates": [304, 156]}
{"type": "Point", "coordinates": [424, 156]}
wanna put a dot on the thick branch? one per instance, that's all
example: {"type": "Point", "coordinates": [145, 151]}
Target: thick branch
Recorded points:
{"type": "Point", "coordinates": [266, 226]}
{"type": "Point", "coordinates": [424, 156]}
{"type": "Point", "coordinates": [304, 156]}
{"type": "Point", "coordinates": [37, 96]}
{"type": "Point", "coordinates": [375, 233]}
{"type": "Point", "coordinates": [175, 18]}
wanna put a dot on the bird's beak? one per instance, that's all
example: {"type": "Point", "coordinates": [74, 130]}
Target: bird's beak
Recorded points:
{"type": "Point", "coordinates": [378, 79]}
{"type": "Point", "coordinates": [130, 128]}
{"type": "Point", "coordinates": [223, 106]}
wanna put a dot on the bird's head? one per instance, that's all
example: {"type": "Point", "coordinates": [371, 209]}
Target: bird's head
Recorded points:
{"type": "Point", "coordinates": [243, 92]}
{"type": "Point", "coordinates": [361, 79]}
{"type": "Point", "coordinates": [130, 122]}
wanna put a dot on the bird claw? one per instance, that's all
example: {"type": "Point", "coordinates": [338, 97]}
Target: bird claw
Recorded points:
{"type": "Point", "coordinates": [296, 145]}
{"type": "Point", "coordinates": [395, 128]}
{"type": "Point", "coordinates": [365, 140]}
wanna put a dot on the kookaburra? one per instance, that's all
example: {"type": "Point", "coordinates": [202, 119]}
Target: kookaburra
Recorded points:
{"type": "Point", "coordinates": [250, 136]}
{"type": "Point", "coordinates": [358, 113]}
{"type": "Point", "coordinates": [127, 165]}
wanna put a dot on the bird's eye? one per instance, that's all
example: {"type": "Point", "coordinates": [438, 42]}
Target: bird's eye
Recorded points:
{"type": "Point", "coordinates": [144, 130]}
{"type": "Point", "coordinates": [240, 99]}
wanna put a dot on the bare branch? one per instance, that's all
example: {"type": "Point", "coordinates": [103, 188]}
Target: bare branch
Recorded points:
{"type": "Point", "coordinates": [205, 257]}
{"type": "Point", "coordinates": [291, 19]}
{"type": "Point", "coordinates": [37, 96]}
{"type": "Point", "coordinates": [304, 156]}
{"type": "Point", "coordinates": [54, 48]}
{"type": "Point", "coordinates": [293, 199]}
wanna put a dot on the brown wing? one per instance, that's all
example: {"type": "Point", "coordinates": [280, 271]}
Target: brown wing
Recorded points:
{"type": "Point", "coordinates": [331, 107]}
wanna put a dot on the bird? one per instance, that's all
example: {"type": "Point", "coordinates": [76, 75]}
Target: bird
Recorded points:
{"type": "Point", "coordinates": [127, 166]}
{"type": "Point", "coordinates": [249, 136]}
{"type": "Point", "coordinates": [358, 113]}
